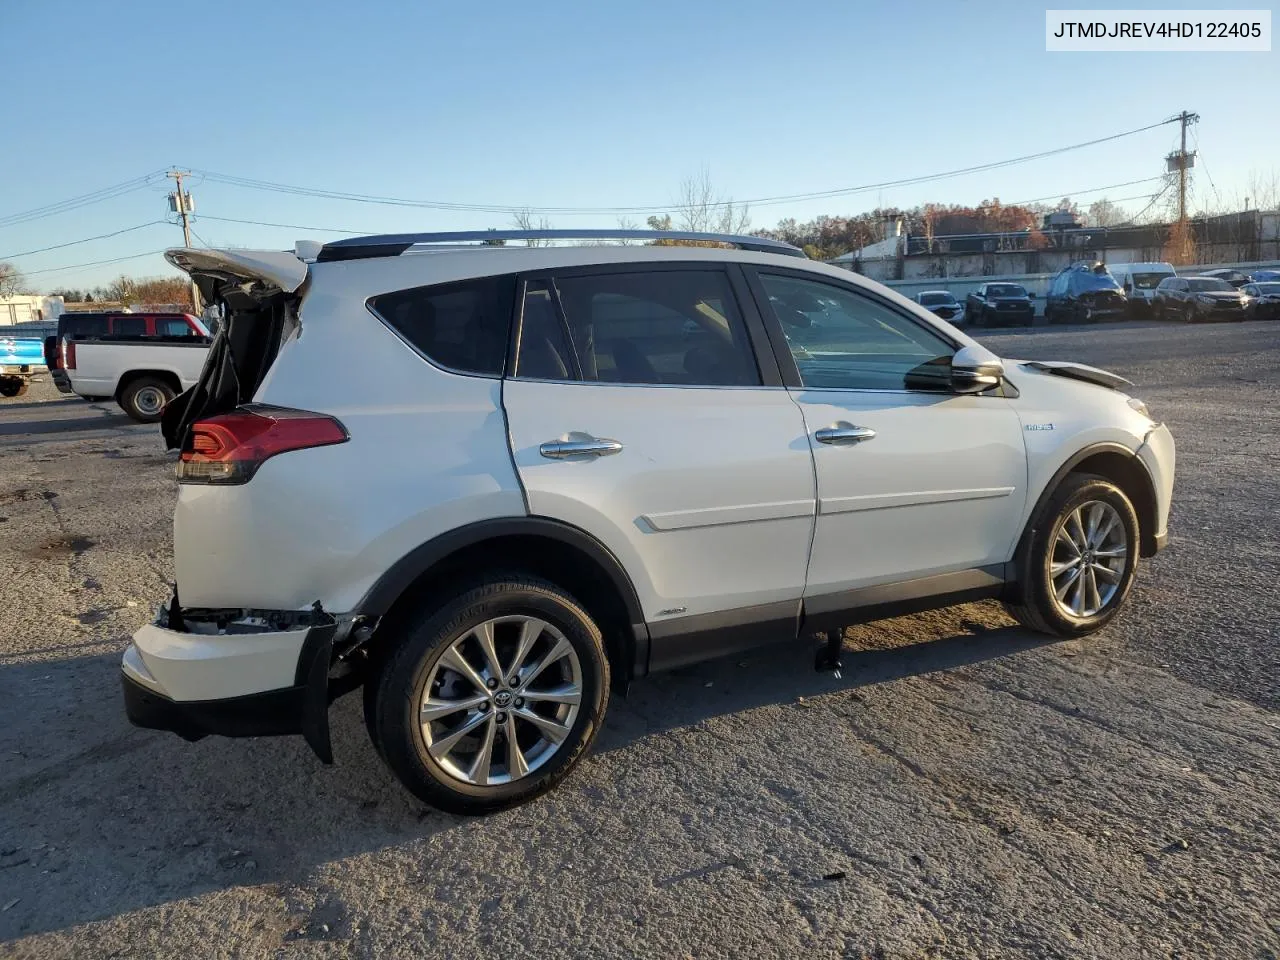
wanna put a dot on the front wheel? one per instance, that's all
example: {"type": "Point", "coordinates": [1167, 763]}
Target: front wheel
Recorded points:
{"type": "Point", "coordinates": [491, 699]}
{"type": "Point", "coordinates": [1081, 559]}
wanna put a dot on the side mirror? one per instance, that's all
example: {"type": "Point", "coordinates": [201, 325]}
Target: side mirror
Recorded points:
{"type": "Point", "coordinates": [974, 369]}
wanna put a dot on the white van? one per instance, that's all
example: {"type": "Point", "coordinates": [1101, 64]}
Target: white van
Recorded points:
{"type": "Point", "coordinates": [1139, 280]}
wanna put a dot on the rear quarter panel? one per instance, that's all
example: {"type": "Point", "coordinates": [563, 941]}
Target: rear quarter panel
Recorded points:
{"type": "Point", "coordinates": [428, 453]}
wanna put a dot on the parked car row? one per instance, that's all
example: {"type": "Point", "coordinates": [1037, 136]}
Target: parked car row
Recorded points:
{"type": "Point", "coordinates": [1090, 291]}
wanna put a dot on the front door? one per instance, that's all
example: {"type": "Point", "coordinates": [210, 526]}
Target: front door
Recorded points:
{"type": "Point", "coordinates": [914, 481]}
{"type": "Point", "coordinates": [638, 413]}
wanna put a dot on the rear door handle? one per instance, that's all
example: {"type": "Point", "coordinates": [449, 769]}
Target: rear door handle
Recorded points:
{"type": "Point", "coordinates": [843, 434]}
{"type": "Point", "coordinates": [580, 446]}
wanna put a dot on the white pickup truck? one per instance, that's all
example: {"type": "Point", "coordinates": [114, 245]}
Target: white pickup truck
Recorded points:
{"type": "Point", "coordinates": [142, 375]}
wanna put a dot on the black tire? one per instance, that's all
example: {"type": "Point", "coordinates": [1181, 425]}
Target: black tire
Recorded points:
{"type": "Point", "coordinates": [391, 707]}
{"type": "Point", "coordinates": [140, 397]}
{"type": "Point", "coordinates": [1038, 608]}
{"type": "Point", "coordinates": [13, 386]}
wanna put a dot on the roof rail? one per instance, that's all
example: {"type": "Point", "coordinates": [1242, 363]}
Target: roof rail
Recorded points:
{"type": "Point", "coordinates": [394, 244]}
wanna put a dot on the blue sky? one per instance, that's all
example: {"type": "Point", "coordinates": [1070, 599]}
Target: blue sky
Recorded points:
{"type": "Point", "coordinates": [575, 104]}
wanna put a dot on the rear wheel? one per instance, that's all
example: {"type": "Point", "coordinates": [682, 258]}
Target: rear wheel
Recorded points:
{"type": "Point", "coordinates": [491, 699]}
{"type": "Point", "coordinates": [1080, 561]}
{"type": "Point", "coordinates": [144, 399]}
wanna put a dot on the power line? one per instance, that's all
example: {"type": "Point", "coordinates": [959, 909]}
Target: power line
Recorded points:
{"type": "Point", "coordinates": [288, 226]}
{"type": "Point", "coordinates": [319, 193]}
{"type": "Point", "coordinates": [319, 229]}
{"type": "Point", "coordinates": [1077, 193]}
{"type": "Point", "coordinates": [91, 263]}
{"type": "Point", "coordinates": [84, 200]}
{"type": "Point", "coordinates": [72, 243]}
{"type": "Point", "coordinates": [1155, 197]}
{"type": "Point", "coordinates": [1205, 167]}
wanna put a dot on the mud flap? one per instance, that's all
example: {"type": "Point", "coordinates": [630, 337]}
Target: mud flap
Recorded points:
{"type": "Point", "coordinates": [313, 674]}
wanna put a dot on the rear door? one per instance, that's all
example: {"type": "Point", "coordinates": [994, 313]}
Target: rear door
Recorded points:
{"type": "Point", "coordinates": [913, 481]}
{"type": "Point", "coordinates": [646, 409]}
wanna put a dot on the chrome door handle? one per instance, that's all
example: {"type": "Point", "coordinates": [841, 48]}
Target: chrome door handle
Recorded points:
{"type": "Point", "coordinates": [588, 447]}
{"type": "Point", "coordinates": [844, 434]}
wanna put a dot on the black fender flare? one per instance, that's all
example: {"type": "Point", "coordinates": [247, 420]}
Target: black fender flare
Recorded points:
{"type": "Point", "coordinates": [1073, 461]}
{"type": "Point", "coordinates": [388, 588]}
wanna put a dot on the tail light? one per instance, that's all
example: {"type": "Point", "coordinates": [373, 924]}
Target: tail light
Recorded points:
{"type": "Point", "coordinates": [68, 354]}
{"type": "Point", "coordinates": [229, 448]}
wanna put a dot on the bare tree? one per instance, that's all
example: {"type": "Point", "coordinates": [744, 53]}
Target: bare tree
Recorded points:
{"type": "Point", "coordinates": [10, 280]}
{"type": "Point", "coordinates": [702, 211]}
{"type": "Point", "coordinates": [1104, 213]}
{"type": "Point", "coordinates": [523, 220]}
{"type": "Point", "coordinates": [626, 223]}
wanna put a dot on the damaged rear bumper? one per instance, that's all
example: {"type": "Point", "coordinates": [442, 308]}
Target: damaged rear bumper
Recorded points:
{"type": "Point", "coordinates": [234, 679]}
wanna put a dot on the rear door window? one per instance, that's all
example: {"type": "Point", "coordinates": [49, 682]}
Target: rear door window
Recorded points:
{"type": "Point", "coordinates": [129, 326]}
{"type": "Point", "coordinates": [462, 327]}
{"type": "Point", "coordinates": [658, 327]}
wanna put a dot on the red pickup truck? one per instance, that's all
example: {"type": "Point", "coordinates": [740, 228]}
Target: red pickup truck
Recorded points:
{"type": "Point", "coordinates": [87, 326]}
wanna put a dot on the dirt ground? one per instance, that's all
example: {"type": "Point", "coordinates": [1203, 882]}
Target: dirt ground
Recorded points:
{"type": "Point", "coordinates": [968, 789]}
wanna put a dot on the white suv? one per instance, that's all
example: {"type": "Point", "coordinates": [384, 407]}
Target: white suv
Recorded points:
{"type": "Point", "coordinates": [488, 483]}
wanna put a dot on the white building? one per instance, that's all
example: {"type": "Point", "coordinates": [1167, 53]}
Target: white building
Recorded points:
{"type": "Point", "coordinates": [29, 308]}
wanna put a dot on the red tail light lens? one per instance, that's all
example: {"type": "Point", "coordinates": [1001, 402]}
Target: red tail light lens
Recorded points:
{"type": "Point", "coordinates": [229, 448]}
{"type": "Point", "coordinates": [68, 354]}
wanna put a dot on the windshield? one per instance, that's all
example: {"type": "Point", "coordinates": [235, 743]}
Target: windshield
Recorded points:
{"type": "Point", "coordinates": [1202, 284]}
{"type": "Point", "coordinates": [936, 299]}
{"type": "Point", "coordinates": [1006, 290]}
{"type": "Point", "coordinates": [1148, 281]}
{"type": "Point", "coordinates": [1268, 288]}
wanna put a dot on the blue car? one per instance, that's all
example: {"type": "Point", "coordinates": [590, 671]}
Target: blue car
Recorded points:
{"type": "Point", "coordinates": [19, 357]}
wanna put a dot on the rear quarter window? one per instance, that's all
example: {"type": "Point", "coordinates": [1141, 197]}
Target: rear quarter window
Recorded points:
{"type": "Point", "coordinates": [82, 326]}
{"type": "Point", "coordinates": [461, 326]}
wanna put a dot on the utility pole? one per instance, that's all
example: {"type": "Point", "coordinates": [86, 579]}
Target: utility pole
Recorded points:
{"type": "Point", "coordinates": [1181, 242]}
{"type": "Point", "coordinates": [1182, 161]}
{"type": "Point", "coordinates": [178, 200]}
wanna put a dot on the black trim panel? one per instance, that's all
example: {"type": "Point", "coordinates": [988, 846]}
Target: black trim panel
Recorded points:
{"type": "Point", "coordinates": [679, 642]}
{"type": "Point", "coordinates": [272, 713]}
{"type": "Point", "coordinates": [1148, 546]}
{"type": "Point", "coordinates": [830, 611]}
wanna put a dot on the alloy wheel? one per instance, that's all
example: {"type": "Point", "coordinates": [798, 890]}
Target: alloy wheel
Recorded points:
{"type": "Point", "coordinates": [501, 700]}
{"type": "Point", "coordinates": [1087, 559]}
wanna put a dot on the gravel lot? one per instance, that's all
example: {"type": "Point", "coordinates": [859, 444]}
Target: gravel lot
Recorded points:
{"type": "Point", "coordinates": [967, 790]}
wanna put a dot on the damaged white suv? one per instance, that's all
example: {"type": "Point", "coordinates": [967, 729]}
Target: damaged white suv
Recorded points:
{"type": "Point", "coordinates": [490, 482]}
